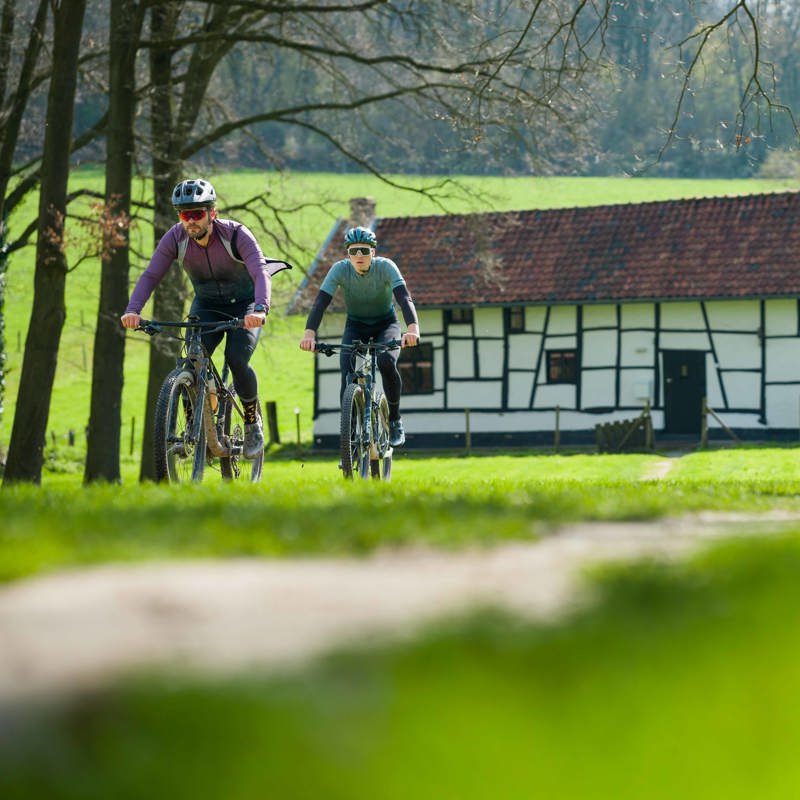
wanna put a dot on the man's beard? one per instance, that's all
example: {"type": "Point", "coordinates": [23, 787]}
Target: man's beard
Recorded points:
{"type": "Point", "coordinates": [201, 234]}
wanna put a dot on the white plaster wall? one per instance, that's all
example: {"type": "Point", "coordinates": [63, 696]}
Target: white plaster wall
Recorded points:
{"type": "Point", "coordinates": [557, 394]}
{"type": "Point", "coordinates": [743, 390]}
{"type": "Point", "coordinates": [438, 369]}
{"type": "Point", "coordinates": [534, 318]}
{"type": "Point", "coordinates": [520, 386]}
{"type": "Point", "coordinates": [602, 316]}
{"type": "Point", "coordinates": [490, 358]}
{"type": "Point", "coordinates": [748, 421]}
{"type": "Point", "coordinates": [488, 322]}
{"type": "Point", "coordinates": [733, 315]}
{"type": "Point", "coordinates": [638, 315]}
{"type": "Point", "coordinates": [636, 386]}
{"type": "Point", "coordinates": [563, 319]}
{"type": "Point", "coordinates": [474, 394]}
{"type": "Point", "coordinates": [713, 384]}
{"type": "Point", "coordinates": [493, 422]}
{"type": "Point", "coordinates": [739, 350]}
{"type": "Point", "coordinates": [636, 349]}
{"type": "Point", "coordinates": [783, 360]}
{"type": "Point", "coordinates": [783, 407]}
{"type": "Point", "coordinates": [429, 322]}
{"type": "Point", "coordinates": [523, 350]}
{"type": "Point", "coordinates": [464, 331]}
{"type": "Point", "coordinates": [561, 342]}
{"type": "Point", "coordinates": [684, 341]}
{"type": "Point", "coordinates": [780, 317]}
{"type": "Point", "coordinates": [423, 401]}
{"type": "Point", "coordinates": [461, 358]}
{"type": "Point", "coordinates": [682, 316]}
{"type": "Point", "coordinates": [329, 383]}
{"type": "Point", "coordinates": [599, 349]}
{"type": "Point", "coordinates": [598, 388]}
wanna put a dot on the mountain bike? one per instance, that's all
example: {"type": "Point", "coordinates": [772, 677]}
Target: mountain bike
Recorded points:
{"type": "Point", "coordinates": [364, 426]}
{"type": "Point", "coordinates": [199, 420]}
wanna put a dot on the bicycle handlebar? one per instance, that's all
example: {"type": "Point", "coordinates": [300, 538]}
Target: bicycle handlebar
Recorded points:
{"type": "Point", "coordinates": [152, 326]}
{"type": "Point", "coordinates": [329, 349]}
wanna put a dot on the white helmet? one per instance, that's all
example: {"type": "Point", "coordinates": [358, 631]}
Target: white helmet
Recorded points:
{"type": "Point", "coordinates": [194, 193]}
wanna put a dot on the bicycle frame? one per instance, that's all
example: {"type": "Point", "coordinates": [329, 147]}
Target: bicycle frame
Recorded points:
{"type": "Point", "coordinates": [199, 363]}
{"type": "Point", "coordinates": [364, 365]}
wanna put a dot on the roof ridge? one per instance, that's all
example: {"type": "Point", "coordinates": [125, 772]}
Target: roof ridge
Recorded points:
{"type": "Point", "coordinates": [560, 209]}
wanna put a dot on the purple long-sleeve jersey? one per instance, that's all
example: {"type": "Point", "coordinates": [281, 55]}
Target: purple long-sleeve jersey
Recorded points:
{"type": "Point", "coordinates": [216, 276]}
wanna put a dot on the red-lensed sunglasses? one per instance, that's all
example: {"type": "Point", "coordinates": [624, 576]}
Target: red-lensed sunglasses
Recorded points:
{"type": "Point", "coordinates": [195, 214]}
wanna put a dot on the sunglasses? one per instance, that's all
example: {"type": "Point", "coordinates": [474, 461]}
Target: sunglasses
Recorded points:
{"type": "Point", "coordinates": [195, 214]}
{"type": "Point", "coordinates": [359, 251]}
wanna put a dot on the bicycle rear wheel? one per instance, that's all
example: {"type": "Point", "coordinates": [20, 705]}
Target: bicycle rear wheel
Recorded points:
{"type": "Point", "coordinates": [237, 467]}
{"type": "Point", "coordinates": [380, 463]}
{"type": "Point", "coordinates": [177, 457]}
{"type": "Point", "coordinates": [354, 454]}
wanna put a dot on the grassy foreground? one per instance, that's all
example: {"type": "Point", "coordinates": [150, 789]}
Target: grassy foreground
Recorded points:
{"type": "Point", "coordinates": [679, 682]}
{"type": "Point", "coordinates": [304, 507]}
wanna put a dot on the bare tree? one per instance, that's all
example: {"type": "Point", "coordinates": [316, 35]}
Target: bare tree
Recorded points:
{"type": "Point", "coordinates": [103, 434]}
{"type": "Point", "coordinates": [14, 96]}
{"type": "Point", "coordinates": [26, 450]}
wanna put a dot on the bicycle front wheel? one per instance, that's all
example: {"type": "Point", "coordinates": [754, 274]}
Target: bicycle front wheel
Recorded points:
{"type": "Point", "coordinates": [236, 466]}
{"type": "Point", "coordinates": [354, 454]}
{"type": "Point", "coordinates": [380, 457]}
{"type": "Point", "coordinates": [178, 458]}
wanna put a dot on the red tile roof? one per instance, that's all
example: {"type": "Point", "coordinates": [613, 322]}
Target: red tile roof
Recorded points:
{"type": "Point", "coordinates": [721, 247]}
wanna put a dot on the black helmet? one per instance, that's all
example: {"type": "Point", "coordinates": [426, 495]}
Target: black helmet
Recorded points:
{"type": "Point", "coordinates": [194, 193]}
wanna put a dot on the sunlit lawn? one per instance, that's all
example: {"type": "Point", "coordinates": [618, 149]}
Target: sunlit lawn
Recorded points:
{"type": "Point", "coordinates": [679, 682]}
{"type": "Point", "coordinates": [304, 506]}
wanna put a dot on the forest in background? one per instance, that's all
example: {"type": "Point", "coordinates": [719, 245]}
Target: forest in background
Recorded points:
{"type": "Point", "coordinates": [627, 108]}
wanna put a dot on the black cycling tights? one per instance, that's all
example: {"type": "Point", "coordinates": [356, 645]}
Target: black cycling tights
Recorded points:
{"type": "Point", "coordinates": [239, 345]}
{"type": "Point", "coordinates": [387, 361]}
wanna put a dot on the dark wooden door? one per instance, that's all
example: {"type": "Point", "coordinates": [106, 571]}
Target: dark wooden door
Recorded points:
{"type": "Point", "coordinates": [684, 390]}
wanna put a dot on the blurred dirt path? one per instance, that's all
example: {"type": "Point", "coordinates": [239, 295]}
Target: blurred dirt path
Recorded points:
{"type": "Point", "coordinates": [77, 630]}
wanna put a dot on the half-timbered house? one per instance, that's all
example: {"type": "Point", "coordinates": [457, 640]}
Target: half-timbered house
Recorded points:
{"type": "Point", "coordinates": [586, 315]}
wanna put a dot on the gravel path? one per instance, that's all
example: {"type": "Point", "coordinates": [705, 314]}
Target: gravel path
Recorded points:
{"type": "Point", "coordinates": [79, 629]}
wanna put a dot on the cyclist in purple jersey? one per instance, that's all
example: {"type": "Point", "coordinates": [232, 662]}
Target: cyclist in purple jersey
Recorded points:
{"type": "Point", "coordinates": [370, 285]}
{"type": "Point", "coordinates": [231, 278]}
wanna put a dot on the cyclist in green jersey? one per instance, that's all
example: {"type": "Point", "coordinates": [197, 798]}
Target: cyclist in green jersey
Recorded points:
{"type": "Point", "coordinates": [370, 286]}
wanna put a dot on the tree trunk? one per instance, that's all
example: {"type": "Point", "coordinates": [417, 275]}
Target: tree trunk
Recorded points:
{"type": "Point", "coordinates": [170, 298]}
{"type": "Point", "coordinates": [15, 101]}
{"type": "Point", "coordinates": [105, 419]}
{"type": "Point", "coordinates": [26, 449]}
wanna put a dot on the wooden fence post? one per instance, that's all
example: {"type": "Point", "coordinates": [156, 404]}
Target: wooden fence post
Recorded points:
{"type": "Point", "coordinates": [704, 426]}
{"type": "Point", "coordinates": [557, 433]}
{"type": "Point", "coordinates": [272, 422]}
{"type": "Point", "coordinates": [649, 439]}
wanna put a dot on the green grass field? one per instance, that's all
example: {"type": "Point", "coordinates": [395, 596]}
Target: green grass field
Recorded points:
{"type": "Point", "coordinates": [678, 682]}
{"type": "Point", "coordinates": [303, 506]}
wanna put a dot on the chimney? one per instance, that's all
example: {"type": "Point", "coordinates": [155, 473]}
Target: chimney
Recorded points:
{"type": "Point", "coordinates": [362, 211]}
